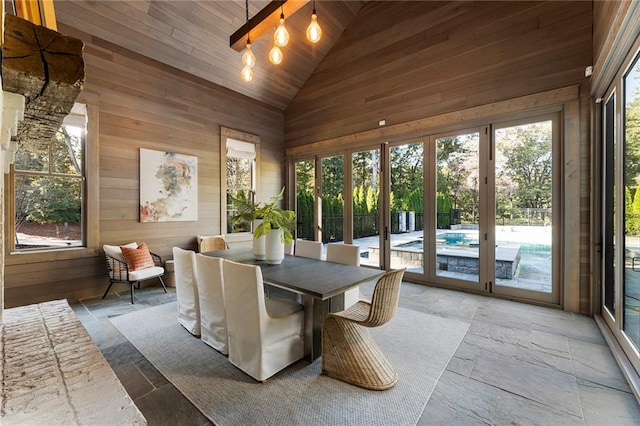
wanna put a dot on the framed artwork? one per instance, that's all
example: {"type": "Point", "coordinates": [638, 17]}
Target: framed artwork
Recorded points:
{"type": "Point", "coordinates": [168, 186]}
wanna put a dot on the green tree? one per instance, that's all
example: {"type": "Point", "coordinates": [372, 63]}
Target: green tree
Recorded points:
{"type": "Point", "coordinates": [49, 196]}
{"type": "Point", "coordinates": [528, 163]}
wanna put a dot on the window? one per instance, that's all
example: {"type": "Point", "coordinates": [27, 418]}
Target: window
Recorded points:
{"type": "Point", "coordinates": [49, 189]}
{"type": "Point", "coordinates": [239, 176]}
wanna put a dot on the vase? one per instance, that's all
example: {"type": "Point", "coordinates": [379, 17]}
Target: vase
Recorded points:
{"type": "Point", "coordinates": [258, 243]}
{"type": "Point", "coordinates": [274, 247]}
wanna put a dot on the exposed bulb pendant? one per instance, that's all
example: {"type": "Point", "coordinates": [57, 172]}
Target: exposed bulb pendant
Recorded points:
{"type": "Point", "coordinates": [281, 36]}
{"type": "Point", "coordinates": [248, 58]}
{"type": "Point", "coordinates": [246, 74]}
{"type": "Point", "coordinates": [314, 32]}
{"type": "Point", "coordinates": [275, 55]}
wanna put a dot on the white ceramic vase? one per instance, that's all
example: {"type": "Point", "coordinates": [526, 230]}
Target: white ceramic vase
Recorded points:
{"type": "Point", "coordinates": [259, 251]}
{"type": "Point", "coordinates": [274, 247]}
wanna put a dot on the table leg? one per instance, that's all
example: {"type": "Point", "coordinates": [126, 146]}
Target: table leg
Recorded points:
{"type": "Point", "coordinates": [315, 311]}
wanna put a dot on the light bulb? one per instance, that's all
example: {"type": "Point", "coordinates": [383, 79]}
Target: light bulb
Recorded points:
{"type": "Point", "coordinates": [275, 55]}
{"type": "Point", "coordinates": [281, 36]}
{"type": "Point", "coordinates": [247, 74]}
{"type": "Point", "coordinates": [314, 32]}
{"type": "Point", "coordinates": [248, 58]}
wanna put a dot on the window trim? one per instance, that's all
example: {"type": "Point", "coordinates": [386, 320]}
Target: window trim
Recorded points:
{"type": "Point", "coordinates": [90, 214]}
{"type": "Point", "coordinates": [226, 134]}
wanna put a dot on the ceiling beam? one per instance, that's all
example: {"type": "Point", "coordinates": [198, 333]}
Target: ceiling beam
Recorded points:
{"type": "Point", "coordinates": [38, 12]}
{"type": "Point", "coordinates": [264, 21]}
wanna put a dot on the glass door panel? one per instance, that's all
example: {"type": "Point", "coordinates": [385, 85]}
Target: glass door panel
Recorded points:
{"type": "Point", "coordinates": [365, 172]}
{"type": "Point", "coordinates": [406, 202]}
{"type": "Point", "coordinates": [305, 198]}
{"type": "Point", "coordinates": [609, 205]}
{"type": "Point", "coordinates": [457, 201]}
{"type": "Point", "coordinates": [332, 195]}
{"type": "Point", "coordinates": [523, 206]}
{"type": "Point", "coordinates": [631, 170]}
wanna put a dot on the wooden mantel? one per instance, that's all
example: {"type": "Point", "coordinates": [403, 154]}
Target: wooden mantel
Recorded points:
{"type": "Point", "coordinates": [47, 68]}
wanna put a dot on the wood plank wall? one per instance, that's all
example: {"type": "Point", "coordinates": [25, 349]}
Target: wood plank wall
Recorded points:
{"type": "Point", "coordinates": [402, 61]}
{"type": "Point", "coordinates": [407, 61]}
{"type": "Point", "coordinates": [144, 104]}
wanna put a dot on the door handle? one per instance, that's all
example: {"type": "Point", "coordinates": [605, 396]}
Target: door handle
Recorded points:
{"type": "Point", "coordinates": [633, 264]}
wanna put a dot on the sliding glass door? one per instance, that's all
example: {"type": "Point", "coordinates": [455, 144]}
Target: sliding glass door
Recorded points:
{"type": "Point", "coordinates": [456, 240]}
{"type": "Point", "coordinates": [524, 215]}
{"type": "Point", "coordinates": [332, 199]}
{"type": "Point", "coordinates": [492, 194]}
{"type": "Point", "coordinates": [365, 192]}
{"type": "Point", "coordinates": [621, 209]}
{"type": "Point", "coordinates": [630, 290]}
{"type": "Point", "coordinates": [474, 209]}
{"type": "Point", "coordinates": [305, 175]}
{"type": "Point", "coordinates": [404, 230]}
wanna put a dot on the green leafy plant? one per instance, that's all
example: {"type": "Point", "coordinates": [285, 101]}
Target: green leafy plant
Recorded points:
{"type": "Point", "coordinates": [246, 209]}
{"type": "Point", "coordinates": [274, 217]}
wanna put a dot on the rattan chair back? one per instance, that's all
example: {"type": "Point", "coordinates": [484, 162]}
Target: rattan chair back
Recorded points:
{"type": "Point", "coordinates": [385, 298]}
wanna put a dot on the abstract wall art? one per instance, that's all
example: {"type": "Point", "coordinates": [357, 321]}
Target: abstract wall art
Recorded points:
{"type": "Point", "coordinates": [168, 186]}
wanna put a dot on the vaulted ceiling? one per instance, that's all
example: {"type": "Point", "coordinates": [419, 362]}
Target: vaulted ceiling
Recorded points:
{"type": "Point", "coordinates": [193, 36]}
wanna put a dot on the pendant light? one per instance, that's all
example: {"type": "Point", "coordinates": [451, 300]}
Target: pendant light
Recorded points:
{"type": "Point", "coordinates": [281, 36]}
{"type": "Point", "coordinates": [314, 32]}
{"type": "Point", "coordinates": [249, 61]}
{"type": "Point", "coordinates": [275, 55]}
{"type": "Point", "coordinates": [248, 58]}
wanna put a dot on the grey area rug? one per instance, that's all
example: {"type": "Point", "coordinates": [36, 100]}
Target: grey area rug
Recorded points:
{"type": "Point", "coordinates": [419, 346]}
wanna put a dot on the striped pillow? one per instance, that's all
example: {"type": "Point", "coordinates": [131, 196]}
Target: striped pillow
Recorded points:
{"type": "Point", "coordinates": [137, 258]}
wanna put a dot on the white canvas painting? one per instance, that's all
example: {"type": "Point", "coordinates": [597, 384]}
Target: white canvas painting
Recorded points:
{"type": "Point", "coordinates": [168, 186]}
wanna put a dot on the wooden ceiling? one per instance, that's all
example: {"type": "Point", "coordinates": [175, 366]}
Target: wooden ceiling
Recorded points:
{"type": "Point", "coordinates": [193, 36]}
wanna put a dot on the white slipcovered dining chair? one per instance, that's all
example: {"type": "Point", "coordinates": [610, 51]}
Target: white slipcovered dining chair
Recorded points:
{"type": "Point", "coordinates": [306, 248]}
{"type": "Point", "coordinates": [187, 289]}
{"type": "Point", "coordinates": [265, 335]}
{"type": "Point", "coordinates": [213, 318]}
{"type": "Point", "coordinates": [347, 254]}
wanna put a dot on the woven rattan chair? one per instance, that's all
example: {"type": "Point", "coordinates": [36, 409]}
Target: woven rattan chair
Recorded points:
{"type": "Point", "coordinates": [349, 353]}
{"type": "Point", "coordinates": [119, 271]}
{"type": "Point", "coordinates": [211, 243]}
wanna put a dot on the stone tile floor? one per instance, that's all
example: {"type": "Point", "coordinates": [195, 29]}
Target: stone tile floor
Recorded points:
{"type": "Point", "coordinates": [517, 364]}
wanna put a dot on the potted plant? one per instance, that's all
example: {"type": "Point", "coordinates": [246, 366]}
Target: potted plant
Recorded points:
{"type": "Point", "coordinates": [247, 212]}
{"type": "Point", "coordinates": [276, 227]}
{"type": "Point", "coordinates": [273, 225]}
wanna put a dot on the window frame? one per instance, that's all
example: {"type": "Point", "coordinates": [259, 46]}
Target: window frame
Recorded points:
{"type": "Point", "coordinates": [90, 203]}
{"type": "Point", "coordinates": [227, 134]}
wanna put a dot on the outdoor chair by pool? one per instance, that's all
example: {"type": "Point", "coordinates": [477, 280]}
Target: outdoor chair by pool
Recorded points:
{"type": "Point", "coordinates": [349, 353]}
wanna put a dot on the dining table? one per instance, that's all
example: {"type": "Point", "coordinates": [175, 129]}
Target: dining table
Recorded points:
{"type": "Point", "coordinates": [321, 284]}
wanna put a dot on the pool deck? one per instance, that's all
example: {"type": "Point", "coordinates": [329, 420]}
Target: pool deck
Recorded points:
{"type": "Point", "coordinates": [540, 282]}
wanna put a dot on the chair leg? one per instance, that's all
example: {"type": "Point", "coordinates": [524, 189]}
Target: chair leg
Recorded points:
{"type": "Point", "coordinates": [162, 282]}
{"type": "Point", "coordinates": [108, 288]}
{"type": "Point", "coordinates": [132, 287]}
